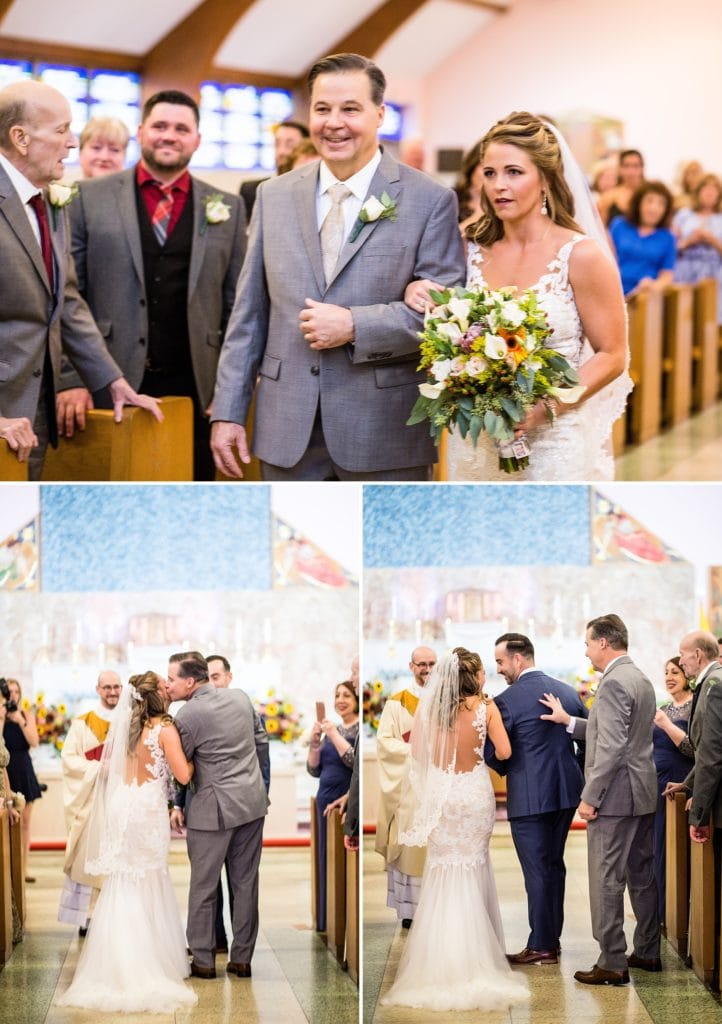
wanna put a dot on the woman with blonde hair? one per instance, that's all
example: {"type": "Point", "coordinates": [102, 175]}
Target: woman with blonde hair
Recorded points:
{"type": "Point", "coordinates": [103, 142]}
{"type": "Point", "coordinates": [540, 229]}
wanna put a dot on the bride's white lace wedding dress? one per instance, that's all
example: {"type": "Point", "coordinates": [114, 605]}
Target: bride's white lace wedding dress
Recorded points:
{"type": "Point", "coordinates": [454, 955]}
{"type": "Point", "coordinates": [134, 958]}
{"type": "Point", "coordinates": [577, 447]}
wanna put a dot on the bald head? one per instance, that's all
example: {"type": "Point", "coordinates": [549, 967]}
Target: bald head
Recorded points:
{"type": "Point", "coordinates": [35, 131]}
{"type": "Point", "coordinates": [696, 650]}
{"type": "Point", "coordinates": [108, 688]}
{"type": "Point", "coordinates": [422, 662]}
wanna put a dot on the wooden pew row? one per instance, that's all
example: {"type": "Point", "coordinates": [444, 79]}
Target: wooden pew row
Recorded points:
{"type": "Point", "coordinates": [352, 913]}
{"type": "Point", "coordinates": [10, 468]}
{"type": "Point", "coordinates": [677, 879]}
{"type": "Point", "coordinates": [6, 906]}
{"type": "Point", "coordinates": [335, 886]}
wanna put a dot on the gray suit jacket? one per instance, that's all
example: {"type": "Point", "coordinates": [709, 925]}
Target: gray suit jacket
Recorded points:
{"type": "Point", "coordinates": [109, 261]}
{"type": "Point", "coordinates": [619, 772]}
{"type": "Point", "coordinates": [218, 734]}
{"type": "Point", "coordinates": [31, 317]}
{"type": "Point", "coordinates": [366, 390]}
{"type": "Point", "coordinates": [705, 733]}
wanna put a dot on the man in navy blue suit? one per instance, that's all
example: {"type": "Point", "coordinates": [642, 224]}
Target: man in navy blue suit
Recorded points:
{"type": "Point", "coordinates": [544, 784]}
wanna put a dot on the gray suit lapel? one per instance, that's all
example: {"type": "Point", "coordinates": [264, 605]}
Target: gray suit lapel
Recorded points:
{"type": "Point", "coordinates": [128, 210]}
{"type": "Point", "coordinates": [200, 229]}
{"type": "Point", "coordinates": [12, 209]}
{"type": "Point", "coordinates": [386, 179]}
{"type": "Point", "coordinates": [304, 195]}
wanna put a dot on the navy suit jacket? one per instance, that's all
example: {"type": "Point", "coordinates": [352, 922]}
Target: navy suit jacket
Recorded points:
{"type": "Point", "coordinates": [542, 773]}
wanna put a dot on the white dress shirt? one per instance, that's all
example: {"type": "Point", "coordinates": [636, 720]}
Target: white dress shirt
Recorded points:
{"type": "Point", "coordinates": [25, 190]}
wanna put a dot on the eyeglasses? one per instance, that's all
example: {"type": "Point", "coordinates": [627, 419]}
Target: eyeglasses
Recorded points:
{"type": "Point", "coordinates": [110, 689]}
{"type": "Point", "coordinates": [424, 664]}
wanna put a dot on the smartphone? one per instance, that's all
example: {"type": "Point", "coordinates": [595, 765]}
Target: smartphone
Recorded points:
{"type": "Point", "coordinates": [320, 710]}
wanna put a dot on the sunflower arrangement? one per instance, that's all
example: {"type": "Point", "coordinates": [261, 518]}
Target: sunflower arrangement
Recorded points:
{"type": "Point", "coordinates": [374, 699]}
{"type": "Point", "coordinates": [279, 716]}
{"type": "Point", "coordinates": [587, 686]}
{"type": "Point", "coordinates": [52, 720]}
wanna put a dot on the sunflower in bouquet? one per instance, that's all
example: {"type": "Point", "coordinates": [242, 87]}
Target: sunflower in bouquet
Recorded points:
{"type": "Point", "coordinates": [487, 365]}
{"type": "Point", "coordinates": [280, 717]}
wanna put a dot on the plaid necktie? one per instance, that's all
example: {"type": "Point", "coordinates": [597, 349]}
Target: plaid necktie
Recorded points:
{"type": "Point", "coordinates": [38, 204]}
{"type": "Point", "coordinates": [163, 212]}
{"type": "Point", "coordinates": [333, 229]}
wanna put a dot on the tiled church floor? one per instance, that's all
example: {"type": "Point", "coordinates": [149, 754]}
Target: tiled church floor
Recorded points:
{"type": "Point", "coordinates": [673, 997]}
{"type": "Point", "coordinates": [295, 979]}
{"type": "Point", "coordinates": [691, 451]}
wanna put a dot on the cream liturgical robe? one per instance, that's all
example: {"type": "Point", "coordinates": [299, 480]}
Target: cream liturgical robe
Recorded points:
{"type": "Point", "coordinates": [85, 737]}
{"type": "Point", "coordinates": [396, 800]}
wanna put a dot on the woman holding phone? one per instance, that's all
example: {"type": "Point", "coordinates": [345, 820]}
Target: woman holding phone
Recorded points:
{"type": "Point", "coordinates": [330, 760]}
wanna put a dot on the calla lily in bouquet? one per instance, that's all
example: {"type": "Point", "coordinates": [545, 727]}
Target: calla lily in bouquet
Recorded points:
{"type": "Point", "coordinates": [487, 365]}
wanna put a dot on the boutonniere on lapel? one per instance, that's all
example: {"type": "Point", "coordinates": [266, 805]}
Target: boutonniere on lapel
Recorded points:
{"type": "Point", "coordinates": [374, 209]}
{"type": "Point", "coordinates": [216, 210]}
{"type": "Point", "coordinates": [60, 196]}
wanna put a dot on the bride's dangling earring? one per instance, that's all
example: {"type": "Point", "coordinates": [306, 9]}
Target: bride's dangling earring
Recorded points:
{"type": "Point", "coordinates": [544, 208]}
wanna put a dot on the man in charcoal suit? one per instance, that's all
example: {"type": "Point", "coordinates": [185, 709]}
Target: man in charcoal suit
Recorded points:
{"type": "Point", "coordinates": [319, 312]}
{"type": "Point", "coordinates": [543, 786]}
{"type": "Point", "coordinates": [618, 803]}
{"type": "Point", "coordinates": [41, 312]}
{"type": "Point", "coordinates": [219, 734]}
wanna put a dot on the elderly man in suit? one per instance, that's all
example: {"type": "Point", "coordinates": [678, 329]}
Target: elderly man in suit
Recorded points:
{"type": "Point", "coordinates": [225, 819]}
{"type": "Point", "coordinates": [41, 312]}
{"type": "Point", "coordinates": [544, 784]}
{"type": "Point", "coordinates": [618, 803]}
{"type": "Point", "coordinates": [158, 254]}
{"type": "Point", "coordinates": [319, 312]}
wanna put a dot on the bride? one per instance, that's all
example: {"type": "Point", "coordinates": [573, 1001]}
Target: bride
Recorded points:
{"type": "Point", "coordinates": [134, 958]}
{"type": "Point", "coordinates": [540, 229]}
{"type": "Point", "coordinates": [454, 955]}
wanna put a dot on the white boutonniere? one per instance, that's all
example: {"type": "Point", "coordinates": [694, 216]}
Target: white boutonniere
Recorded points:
{"type": "Point", "coordinates": [374, 209]}
{"type": "Point", "coordinates": [217, 212]}
{"type": "Point", "coordinates": [59, 196]}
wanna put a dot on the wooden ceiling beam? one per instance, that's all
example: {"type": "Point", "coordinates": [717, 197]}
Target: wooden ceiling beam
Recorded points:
{"type": "Point", "coordinates": [36, 50]}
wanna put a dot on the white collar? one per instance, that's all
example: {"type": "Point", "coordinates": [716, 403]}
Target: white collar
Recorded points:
{"type": "Point", "coordinates": [24, 188]}
{"type": "Point", "coordinates": [709, 667]}
{"type": "Point", "coordinates": [358, 184]}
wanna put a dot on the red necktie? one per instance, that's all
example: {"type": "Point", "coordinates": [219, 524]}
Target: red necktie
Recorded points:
{"type": "Point", "coordinates": [163, 212]}
{"type": "Point", "coordinates": [38, 204]}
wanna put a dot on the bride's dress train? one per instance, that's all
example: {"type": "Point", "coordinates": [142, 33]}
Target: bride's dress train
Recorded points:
{"type": "Point", "coordinates": [134, 958]}
{"type": "Point", "coordinates": [454, 955]}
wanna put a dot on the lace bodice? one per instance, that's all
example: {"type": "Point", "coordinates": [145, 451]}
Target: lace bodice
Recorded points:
{"type": "Point", "coordinates": [158, 766]}
{"type": "Point", "coordinates": [578, 445]}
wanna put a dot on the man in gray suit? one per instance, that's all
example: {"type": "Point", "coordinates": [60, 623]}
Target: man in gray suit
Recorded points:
{"type": "Point", "coordinates": [41, 311]}
{"type": "Point", "coordinates": [161, 293]}
{"type": "Point", "coordinates": [225, 817]}
{"type": "Point", "coordinates": [319, 312]}
{"type": "Point", "coordinates": [618, 803]}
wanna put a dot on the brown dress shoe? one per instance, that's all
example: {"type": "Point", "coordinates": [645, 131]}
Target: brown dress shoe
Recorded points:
{"type": "Point", "coordinates": [197, 971]}
{"type": "Point", "coordinates": [533, 956]}
{"type": "Point", "coordinates": [599, 976]}
{"type": "Point", "coordinates": [653, 964]}
{"type": "Point", "coordinates": [240, 970]}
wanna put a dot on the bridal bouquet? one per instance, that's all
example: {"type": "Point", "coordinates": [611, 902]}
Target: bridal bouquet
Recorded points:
{"type": "Point", "coordinates": [488, 365]}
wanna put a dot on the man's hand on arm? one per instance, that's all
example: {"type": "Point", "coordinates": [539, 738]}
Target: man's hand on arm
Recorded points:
{"type": "Point", "coordinates": [70, 408]}
{"type": "Point", "coordinates": [324, 325]}
{"type": "Point", "coordinates": [226, 436]}
{"type": "Point", "coordinates": [123, 394]}
{"type": "Point", "coordinates": [558, 714]}
{"type": "Point", "coordinates": [19, 435]}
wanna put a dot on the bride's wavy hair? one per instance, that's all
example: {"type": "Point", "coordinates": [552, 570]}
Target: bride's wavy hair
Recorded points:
{"type": "Point", "coordinates": [149, 687]}
{"type": "Point", "coordinates": [530, 133]}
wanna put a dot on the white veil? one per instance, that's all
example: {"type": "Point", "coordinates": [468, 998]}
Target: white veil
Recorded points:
{"type": "Point", "coordinates": [433, 749]}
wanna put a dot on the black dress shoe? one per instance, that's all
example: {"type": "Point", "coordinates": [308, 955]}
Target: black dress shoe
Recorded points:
{"type": "Point", "coordinates": [407, 922]}
{"type": "Point", "coordinates": [240, 970]}
{"type": "Point", "coordinates": [202, 972]}
{"type": "Point", "coordinates": [653, 964]}
{"type": "Point", "coordinates": [83, 931]}
{"type": "Point", "coordinates": [533, 956]}
{"type": "Point", "coordinates": [599, 976]}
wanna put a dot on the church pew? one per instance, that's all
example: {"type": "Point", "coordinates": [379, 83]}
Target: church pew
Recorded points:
{"type": "Point", "coordinates": [677, 354]}
{"type": "Point", "coordinates": [10, 468]}
{"type": "Point", "coordinates": [645, 344]}
{"type": "Point", "coordinates": [313, 849]}
{"type": "Point", "coordinates": [17, 869]}
{"type": "Point", "coordinates": [704, 895]}
{"type": "Point", "coordinates": [138, 448]}
{"type": "Point", "coordinates": [705, 347]}
{"type": "Point", "coordinates": [677, 883]}
{"type": "Point", "coordinates": [352, 913]}
{"type": "Point", "coordinates": [6, 907]}
{"type": "Point", "coordinates": [335, 886]}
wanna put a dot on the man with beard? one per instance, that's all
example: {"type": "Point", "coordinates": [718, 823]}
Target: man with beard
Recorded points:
{"type": "Point", "coordinates": [80, 758]}
{"type": "Point", "coordinates": [404, 864]}
{"type": "Point", "coordinates": [158, 254]}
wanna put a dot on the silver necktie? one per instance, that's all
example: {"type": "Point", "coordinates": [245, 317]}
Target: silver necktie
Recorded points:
{"type": "Point", "coordinates": [333, 230]}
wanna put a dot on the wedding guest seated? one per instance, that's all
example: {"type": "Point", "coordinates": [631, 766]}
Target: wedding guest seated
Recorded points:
{"type": "Point", "coordinates": [631, 177]}
{"type": "Point", "coordinates": [103, 143]}
{"type": "Point", "coordinates": [690, 177]}
{"type": "Point", "coordinates": [412, 153]}
{"type": "Point", "coordinates": [20, 733]}
{"type": "Point", "coordinates": [331, 760]}
{"type": "Point", "coordinates": [603, 179]}
{"type": "Point", "coordinates": [698, 230]}
{"type": "Point", "coordinates": [645, 247]}
{"type": "Point", "coordinates": [672, 753]}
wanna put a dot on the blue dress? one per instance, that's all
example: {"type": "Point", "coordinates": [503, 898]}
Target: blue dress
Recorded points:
{"type": "Point", "coordinates": [334, 774]}
{"type": "Point", "coordinates": [639, 255]}
{"type": "Point", "coordinates": [673, 764]}
{"type": "Point", "coordinates": [20, 769]}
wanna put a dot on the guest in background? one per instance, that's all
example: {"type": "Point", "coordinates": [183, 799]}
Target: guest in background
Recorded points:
{"type": "Point", "coordinates": [286, 136]}
{"type": "Point", "coordinates": [603, 180]}
{"type": "Point", "coordinates": [304, 153]}
{"type": "Point", "coordinates": [411, 153]}
{"type": "Point", "coordinates": [331, 760]}
{"type": "Point", "coordinates": [103, 143]}
{"type": "Point", "coordinates": [631, 177]}
{"type": "Point", "coordinates": [691, 175]}
{"type": "Point", "coordinates": [10, 802]}
{"type": "Point", "coordinates": [672, 753]}
{"type": "Point", "coordinates": [698, 230]}
{"type": "Point", "coordinates": [20, 733]}
{"type": "Point", "coordinates": [468, 187]}
{"type": "Point", "coordinates": [645, 247]}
